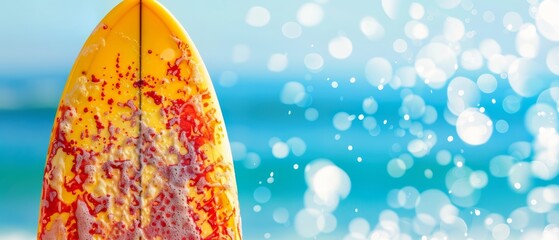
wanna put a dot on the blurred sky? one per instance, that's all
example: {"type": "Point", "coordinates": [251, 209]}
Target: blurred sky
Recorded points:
{"type": "Point", "coordinates": [41, 39]}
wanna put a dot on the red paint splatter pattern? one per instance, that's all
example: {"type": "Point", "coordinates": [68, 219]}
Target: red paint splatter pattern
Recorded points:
{"type": "Point", "coordinates": [109, 174]}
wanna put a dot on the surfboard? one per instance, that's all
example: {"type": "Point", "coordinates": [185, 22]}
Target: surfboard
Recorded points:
{"type": "Point", "coordinates": [139, 148]}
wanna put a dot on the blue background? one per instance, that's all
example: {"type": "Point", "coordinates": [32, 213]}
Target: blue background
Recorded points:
{"type": "Point", "coordinates": [40, 40]}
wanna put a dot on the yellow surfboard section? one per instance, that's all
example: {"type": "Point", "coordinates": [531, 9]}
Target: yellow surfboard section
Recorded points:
{"type": "Point", "coordinates": [139, 149]}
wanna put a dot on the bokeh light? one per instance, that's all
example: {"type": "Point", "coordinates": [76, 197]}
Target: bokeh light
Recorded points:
{"type": "Point", "coordinates": [386, 119]}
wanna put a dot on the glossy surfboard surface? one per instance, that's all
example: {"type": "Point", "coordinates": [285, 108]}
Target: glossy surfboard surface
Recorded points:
{"type": "Point", "coordinates": [139, 148]}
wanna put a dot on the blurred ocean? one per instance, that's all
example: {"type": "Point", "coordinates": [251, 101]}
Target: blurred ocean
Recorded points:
{"type": "Point", "coordinates": [255, 117]}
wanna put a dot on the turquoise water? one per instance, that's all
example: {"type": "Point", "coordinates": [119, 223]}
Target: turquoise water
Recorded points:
{"type": "Point", "coordinates": [254, 116]}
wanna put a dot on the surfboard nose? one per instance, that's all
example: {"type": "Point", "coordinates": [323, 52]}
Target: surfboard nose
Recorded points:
{"type": "Point", "coordinates": [139, 147]}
